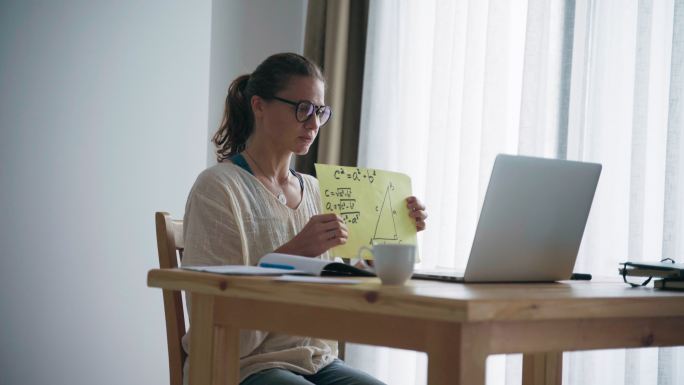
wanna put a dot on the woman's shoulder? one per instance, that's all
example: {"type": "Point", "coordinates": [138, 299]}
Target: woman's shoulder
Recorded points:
{"type": "Point", "coordinates": [222, 175]}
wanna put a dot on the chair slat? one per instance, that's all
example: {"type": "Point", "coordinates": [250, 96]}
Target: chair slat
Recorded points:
{"type": "Point", "coordinates": [169, 238]}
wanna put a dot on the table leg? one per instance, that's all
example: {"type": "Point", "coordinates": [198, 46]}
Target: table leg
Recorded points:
{"type": "Point", "coordinates": [542, 368]}
{"type": "Point", "coordinates": [457, 355]}
{"type": "Point", "coordinates": [201, 340]}
{"type": "Point", "coordinates": [226, 355]}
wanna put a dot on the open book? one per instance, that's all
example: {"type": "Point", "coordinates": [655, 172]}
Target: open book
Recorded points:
{"type": "Point", "coordinates": [240, 270]}
{"type": "Point", "coordinates": [286, 264]}
{"type": "Point", "coordinates": [310, 266]}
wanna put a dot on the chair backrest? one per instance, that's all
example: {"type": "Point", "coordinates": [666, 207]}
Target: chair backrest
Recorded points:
{"type": "Point", "coordinates": [170, 249]}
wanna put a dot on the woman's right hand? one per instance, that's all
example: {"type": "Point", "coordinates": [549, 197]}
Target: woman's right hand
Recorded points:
{"type": "Point", "coordinates": [320, 234]}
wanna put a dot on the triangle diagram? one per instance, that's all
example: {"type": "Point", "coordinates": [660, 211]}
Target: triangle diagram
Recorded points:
{"type": "Point", "coordinates": [385, 228]}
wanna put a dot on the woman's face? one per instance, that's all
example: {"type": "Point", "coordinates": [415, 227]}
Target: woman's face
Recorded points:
{"type": "Point", "coordinates": [278, 119]}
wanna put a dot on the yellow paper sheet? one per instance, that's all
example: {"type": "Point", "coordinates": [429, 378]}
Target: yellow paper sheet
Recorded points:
{"type": "Point", "coordinates": [371, 202]}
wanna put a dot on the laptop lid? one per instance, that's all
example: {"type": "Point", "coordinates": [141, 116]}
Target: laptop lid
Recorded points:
{"type": "Point", "coordinates": [532, 220]}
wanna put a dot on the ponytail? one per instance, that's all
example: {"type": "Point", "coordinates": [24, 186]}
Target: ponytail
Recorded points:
{"type": "Point", "coordinates": [237, 123]}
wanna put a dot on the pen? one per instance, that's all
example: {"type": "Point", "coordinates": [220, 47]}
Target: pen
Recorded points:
{"type": "Point", "coordinates": [580, 277]}
{"type": "Point", "coordinates": [277, 266]}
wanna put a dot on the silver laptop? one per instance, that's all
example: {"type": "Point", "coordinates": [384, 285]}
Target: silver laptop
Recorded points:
{"type": "Point", "coordinates": [531, 223]}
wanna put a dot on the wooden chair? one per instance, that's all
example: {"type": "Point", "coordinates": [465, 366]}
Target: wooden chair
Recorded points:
{"type": "Point", "coordinates": [170, 249]}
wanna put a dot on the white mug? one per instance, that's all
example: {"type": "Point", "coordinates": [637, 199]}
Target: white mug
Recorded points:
{"type": "Point", "coordinates": [393, 263]}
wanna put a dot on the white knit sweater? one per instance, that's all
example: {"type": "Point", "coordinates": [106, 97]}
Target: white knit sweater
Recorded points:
{"type": "Point", "coordinates": [231, 218]}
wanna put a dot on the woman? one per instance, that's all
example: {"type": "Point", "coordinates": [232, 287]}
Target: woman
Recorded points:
{"type": "Point", "coordinates": [251, 203]}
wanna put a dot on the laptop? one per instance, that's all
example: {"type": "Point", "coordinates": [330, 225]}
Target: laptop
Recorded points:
{"type": "Point", "coordinates": [531, 224]}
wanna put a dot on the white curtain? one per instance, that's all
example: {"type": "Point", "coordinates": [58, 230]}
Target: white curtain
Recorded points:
{"type": "Point", "coordinates": [451, 83]}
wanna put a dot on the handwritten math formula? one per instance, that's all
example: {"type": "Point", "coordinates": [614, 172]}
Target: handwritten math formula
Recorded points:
{"type": "Point", "coordinates": [355, 175]}
{"type": "Point", "coordinates": [371, 203]}
{"type": "Point", "coordinates": [342, 199]}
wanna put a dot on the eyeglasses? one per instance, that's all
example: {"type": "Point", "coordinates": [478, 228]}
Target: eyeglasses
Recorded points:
{"type": "Point", "coordinates": [304, 109]}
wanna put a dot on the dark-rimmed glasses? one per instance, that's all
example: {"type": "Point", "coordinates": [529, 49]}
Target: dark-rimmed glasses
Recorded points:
{"type": "Point", "coordinates": [304, 109]}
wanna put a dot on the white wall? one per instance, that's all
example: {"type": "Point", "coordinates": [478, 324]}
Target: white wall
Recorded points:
{"type": "Point", "coordinates": [244, 33]}
{"type": "Point", "coordinates": [104, 114]}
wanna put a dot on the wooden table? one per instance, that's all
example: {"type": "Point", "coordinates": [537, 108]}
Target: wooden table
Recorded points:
{"type": "Point", "coordinates": [457, 325]}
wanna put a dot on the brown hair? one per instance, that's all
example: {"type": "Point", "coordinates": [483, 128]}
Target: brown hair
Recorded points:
{"type": "Point", "coordinates": [270, 77]}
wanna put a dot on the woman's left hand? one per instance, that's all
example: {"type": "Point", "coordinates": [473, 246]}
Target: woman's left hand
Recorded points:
{"type": "Point", "coordinates": [417, 212]}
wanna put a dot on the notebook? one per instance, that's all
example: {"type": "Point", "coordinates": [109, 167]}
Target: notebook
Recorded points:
{"type": "Point", "coordinates": [531, 223]}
